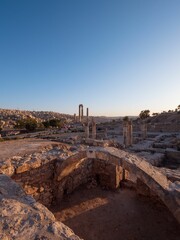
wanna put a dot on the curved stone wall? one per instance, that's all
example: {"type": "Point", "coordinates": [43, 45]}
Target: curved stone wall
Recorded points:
{"type": "Point", "coordinates": [112, 162]}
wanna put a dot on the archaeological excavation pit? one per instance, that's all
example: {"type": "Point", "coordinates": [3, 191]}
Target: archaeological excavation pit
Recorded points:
{"type": "Point", "coordinates": [97, 192]}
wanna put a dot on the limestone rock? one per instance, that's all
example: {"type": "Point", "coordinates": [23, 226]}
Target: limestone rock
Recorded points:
{"type": "Point", "coordinates": [6, 167]}
{"type": "Point", "coordinates": [23, 218]}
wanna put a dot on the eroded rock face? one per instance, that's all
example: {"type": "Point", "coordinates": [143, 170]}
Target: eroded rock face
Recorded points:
{"type": "Point", "coordinates": [22, 217]}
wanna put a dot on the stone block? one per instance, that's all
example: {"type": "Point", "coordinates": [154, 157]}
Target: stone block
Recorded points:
{"type": "Point", "coordinates": [30, 190]}
{"type": "Point", "coordinates": [23, 168]}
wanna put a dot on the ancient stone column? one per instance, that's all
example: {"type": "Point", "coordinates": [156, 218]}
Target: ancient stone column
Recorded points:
{"type": "Point", "coordinates": [93, 129]}
{"type": "Point", "coordinates": [80, 112]}
{"type": "Point", "coordinates": [87, 131]}
{"type": "Point", "coordinates": [87, 115]}
{"type": "Point", "coordinates": [130, 133]}
{"type": "Point", "coordinates": [127, 133]}
{"type": "Point", "coordinates": [74, 117]}
{"type": "Point", "coordinates": [144, 130]}
{"type": "Point", "coordinates": [87, 123]}
{"type": "Point", "coordinates": [82, 115]}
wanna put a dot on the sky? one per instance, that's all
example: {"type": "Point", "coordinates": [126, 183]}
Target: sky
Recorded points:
{"type": "Point", "coordinates": [116, 57]}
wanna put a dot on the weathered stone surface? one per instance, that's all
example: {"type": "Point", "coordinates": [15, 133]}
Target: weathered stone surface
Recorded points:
{"type": "Point", "coordinates": [23, 168]}
{"type": "Point", "coordinates": [23, 155]}
{"type": "Point", "coordinates": [6, 167]}
{"type": "Point", "coordinates": [23, 218]}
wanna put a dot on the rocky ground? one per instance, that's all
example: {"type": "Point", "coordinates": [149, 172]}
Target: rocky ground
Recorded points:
{"type": "Point", "coordinates": [9, 149]}
{"type": "Point", "coordinates": [22, 155]}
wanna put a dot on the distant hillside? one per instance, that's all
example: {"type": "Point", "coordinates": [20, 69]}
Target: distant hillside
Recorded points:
{"type": "Point", "coordinates": [165, 118]}
{"type": "Point", "coordinates": [163, 122]}
{"type": "Point", "coordinates": [8, 117]}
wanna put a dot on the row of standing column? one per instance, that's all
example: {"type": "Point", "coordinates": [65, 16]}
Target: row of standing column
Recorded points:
{"type": "Point", "coordinates": [87, 124]}
{"type": "Point", "coordinates": [93, 129]}
{"type": "Point", "coordinates": [128, 133]}
{"type": "Point", "coordinates": [81, 115]}
{"type": "Point", "coordinates": [144, 130]}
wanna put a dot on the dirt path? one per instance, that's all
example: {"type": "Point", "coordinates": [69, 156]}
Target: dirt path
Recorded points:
{"type": "Point", "coordinates": [97, 214]}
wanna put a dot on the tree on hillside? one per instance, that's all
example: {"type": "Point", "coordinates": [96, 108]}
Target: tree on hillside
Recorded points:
{"type": "Point", "coordinates": [20, 124]}
{"type": "Point", "coordinates": [29, 124]}
{"type": "Point", "coordinates": [46, 124]}
{"type": "Point", "coordinates": [125, 119]}
{"type": "Point", "coordinates": [178, 108]}
{"type": "Point", "coordinates": [58, 123]}
{"type": "Point", "coordinates": [155, 114]}
{"type": "Point", "coordinates": [144, 114]}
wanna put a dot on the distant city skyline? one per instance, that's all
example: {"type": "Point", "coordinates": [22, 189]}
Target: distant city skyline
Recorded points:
{"type": "Point", "coordinates": [116, 57]}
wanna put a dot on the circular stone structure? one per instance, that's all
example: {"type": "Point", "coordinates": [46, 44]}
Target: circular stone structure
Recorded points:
{"type": "Point", "coordinates": [113, 163]}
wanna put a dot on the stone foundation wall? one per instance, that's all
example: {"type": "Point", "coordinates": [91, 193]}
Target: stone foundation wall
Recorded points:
{"type": "Point", "coordinates": [38, 182]}
{"type": "Point", "coordinates": [105, 173]}
{"type": "Point", "coordinates": [77, 177]}
{"type": "Point", "coordinates": [160, 127]}
{"type": "Point", "coordinates": [42, 182]}
{"type": "Point", "coordinates": [171, 127]}
{"type": "Point", "coordinates": [33, 166]}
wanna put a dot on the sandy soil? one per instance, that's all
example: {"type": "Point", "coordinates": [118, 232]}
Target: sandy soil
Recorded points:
{"type": "Point", "coordinates": [97, 214]}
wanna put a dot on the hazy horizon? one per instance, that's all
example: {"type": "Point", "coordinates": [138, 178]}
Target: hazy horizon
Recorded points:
{"type": "Point", "coordinates": [115, 57]}
{"type": "Point", "coordinates": [90, 115]}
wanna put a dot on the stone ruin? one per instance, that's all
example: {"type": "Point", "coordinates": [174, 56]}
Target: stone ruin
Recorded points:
{"type": "Point", "coordinates": [30, 181]}
{"type": "Point", "coordinates": [80, 113]}
{"type": "Point", "coordinates": [37, 174]}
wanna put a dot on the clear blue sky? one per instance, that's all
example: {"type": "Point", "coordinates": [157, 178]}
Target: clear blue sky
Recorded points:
{"type": "Point", "coordinates": [116, 57]}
